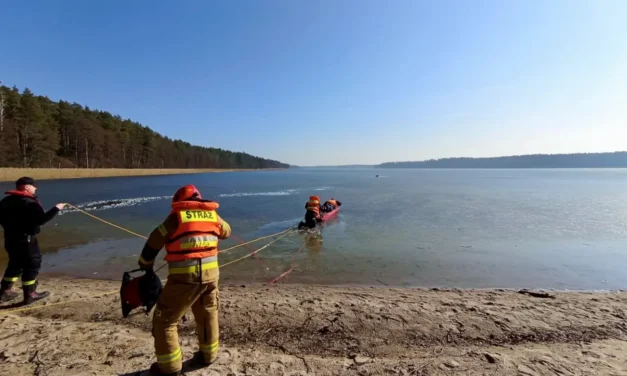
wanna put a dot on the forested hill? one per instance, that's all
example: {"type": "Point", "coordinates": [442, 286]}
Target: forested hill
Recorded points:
{"type": "Point", "coordinates": [37, 132]}
{"type": "Point", "coordinates": [581, 160]}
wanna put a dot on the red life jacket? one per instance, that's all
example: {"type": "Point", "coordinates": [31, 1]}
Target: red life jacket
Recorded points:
{"type": "Point", "coordinates": [196, 236]}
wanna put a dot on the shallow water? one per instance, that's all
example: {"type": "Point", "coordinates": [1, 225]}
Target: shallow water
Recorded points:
{"type": "Point", "coordinates": [562, 229]}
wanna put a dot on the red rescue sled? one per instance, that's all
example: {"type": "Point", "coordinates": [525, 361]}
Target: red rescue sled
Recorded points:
{"type": "Point", "coordinates": [329, 215]}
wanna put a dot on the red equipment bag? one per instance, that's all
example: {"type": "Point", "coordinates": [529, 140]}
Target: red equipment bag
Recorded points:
{"type": "Point", "coordinates": [139, 291]}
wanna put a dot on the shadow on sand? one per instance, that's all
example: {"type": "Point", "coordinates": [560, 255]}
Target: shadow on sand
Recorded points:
{"type": "Point", "coordinates": [190, 365]}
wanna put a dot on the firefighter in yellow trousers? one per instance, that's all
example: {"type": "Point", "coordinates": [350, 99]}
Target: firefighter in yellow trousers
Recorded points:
{"type": "Point", "coordinates": [190, 235]}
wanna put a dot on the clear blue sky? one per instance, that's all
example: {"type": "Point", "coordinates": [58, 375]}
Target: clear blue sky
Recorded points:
{"type": "Point", "coordinates": [336, 82]}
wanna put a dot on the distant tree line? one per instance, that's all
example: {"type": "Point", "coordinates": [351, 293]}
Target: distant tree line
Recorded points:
{"type": "Point", "coordinates": [38, 132]}
{"type": "Point", "coordinates": [579, 160]}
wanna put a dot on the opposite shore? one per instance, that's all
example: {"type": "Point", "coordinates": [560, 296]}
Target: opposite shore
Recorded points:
{"type": "Point", "coordinates": [319, 330]}
{"type": "Point", "coordinates": [11, 174]}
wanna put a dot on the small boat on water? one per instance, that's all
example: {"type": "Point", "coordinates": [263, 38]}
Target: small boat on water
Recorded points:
{"type": "Point", "coordinates": [324, 217]}
{"type": "Point", "coordinates": [329, 215]}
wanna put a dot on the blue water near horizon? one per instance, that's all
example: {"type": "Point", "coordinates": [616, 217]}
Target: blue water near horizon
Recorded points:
{"type": "Point", "coordinates": [553, 228]}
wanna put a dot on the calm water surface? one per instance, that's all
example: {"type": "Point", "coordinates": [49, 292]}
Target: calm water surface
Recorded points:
{"type": "Point", "coordinates": [564, 229]}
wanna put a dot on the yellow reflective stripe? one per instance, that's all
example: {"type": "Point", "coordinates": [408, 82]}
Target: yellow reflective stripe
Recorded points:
{"type": "Point", "coordinates": [29, 283]}
{"type": "Point", "coordinates": [199, 242]}
{"type": "Point", "coordinates": [11, 279]}
{"type": "Point", "coordinates": [162, 230]}
{"type": "Point", "coordinates": [191, 269]}
{"type": "Point", "coordinates": [192, 262]}
{"type": "Point", "coordinates": [210, 348]}
{"type": "Point", "coordinates": [144, 262]}
{"type": "Point", "coordinates": [171, 357]}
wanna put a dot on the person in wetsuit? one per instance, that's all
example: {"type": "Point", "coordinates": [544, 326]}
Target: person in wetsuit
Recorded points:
{"type": "Point", "coordinates": [21, 216]}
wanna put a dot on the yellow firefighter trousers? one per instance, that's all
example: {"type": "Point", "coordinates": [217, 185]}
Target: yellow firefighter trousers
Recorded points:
{"type": "Point", "coordinates": [178, 296]}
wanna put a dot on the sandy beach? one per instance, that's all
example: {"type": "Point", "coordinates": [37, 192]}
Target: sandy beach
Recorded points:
{"type": "Point", "coordinates": [11, 174]}
{"type": "Point", "coordinates": [317, 330]}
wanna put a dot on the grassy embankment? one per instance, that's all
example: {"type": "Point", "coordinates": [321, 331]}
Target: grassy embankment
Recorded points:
{"type": "Point", "coordinates": [12, 174]}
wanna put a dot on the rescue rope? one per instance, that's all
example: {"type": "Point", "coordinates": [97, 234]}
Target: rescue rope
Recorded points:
{"type": "Point", "coordinates": [249, 248]}
{"type": "Point", "coordinates": [289, 270]}
{"type": "Point", "coordinates": [146, 238]}
{"type": "Point", "coordinates": [14, 310]}
{"type": "Point", "coordinates": [103, 221]}
{"type": "Point", "coordinates": [293, 262]}
{"type": "Point", "coordinates": [283, 234]}
{"type": "Point", "coordinates": [286, 233]}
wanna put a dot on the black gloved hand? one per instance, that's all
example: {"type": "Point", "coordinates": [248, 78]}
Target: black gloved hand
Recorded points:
{"type": "Point", "coordinates": [146, 268]}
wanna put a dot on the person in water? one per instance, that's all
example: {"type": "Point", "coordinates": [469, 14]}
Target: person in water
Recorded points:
{"type": "Point", "coordinates": [313, 212]}
{"type": "Point", "coordinates": [21, 216]}
{"type": "Point", "coordinates": [190, 235]}
{"type": "Point", "coordinates": [331, 205]}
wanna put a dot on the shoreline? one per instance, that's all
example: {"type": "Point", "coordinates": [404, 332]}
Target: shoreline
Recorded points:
{"type": "Point", "coordinates": [285, 282]}
{"type": "Point", "coordinates": [9, 174]}
{"type": "Point", "coordinates": [321, 330]}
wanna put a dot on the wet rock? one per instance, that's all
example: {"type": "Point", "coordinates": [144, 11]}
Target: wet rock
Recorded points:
{"type": "Point", "coordinates": [491, 358]}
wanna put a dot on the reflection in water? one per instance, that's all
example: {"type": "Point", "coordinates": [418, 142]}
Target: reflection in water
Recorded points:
{"type": "Point", "coordinates": [313, 242]}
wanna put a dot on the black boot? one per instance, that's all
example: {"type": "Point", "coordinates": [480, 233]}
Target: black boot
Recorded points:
{"type": "Point", "coordinates": [31, 295]}
{"type": "Point", "coordinates": [199, 359]}
{"type": "Point", "coordinates": [155, 371]}
{"type": "Point", "coordinates": [6, 292]}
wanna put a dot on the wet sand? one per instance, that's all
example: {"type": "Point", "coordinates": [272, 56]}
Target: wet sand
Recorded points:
{"type": "Point", "coordinates": [317, 330]}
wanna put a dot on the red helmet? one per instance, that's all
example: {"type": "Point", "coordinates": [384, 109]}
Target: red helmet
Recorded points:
{"type": "Point", "coordinates": [185, 193]}
{"type": "Point", "coordinates": [315, 198]}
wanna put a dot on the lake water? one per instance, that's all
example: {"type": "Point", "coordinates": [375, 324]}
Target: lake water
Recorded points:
{"type": "Point", "coordinates": [563, 229]}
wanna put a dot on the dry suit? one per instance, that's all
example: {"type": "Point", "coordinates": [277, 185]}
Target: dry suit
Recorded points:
{"type": "Point", "coordinates": [190, 235]}
{"type": "Point", "coordinates": [21, 216]}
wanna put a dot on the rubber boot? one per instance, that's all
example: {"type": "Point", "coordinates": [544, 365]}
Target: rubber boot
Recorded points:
{"type": "Point", "coordinates": [6, 292]}
{"type": "Point", "coordinates": [155, 371]}
{"type": "Point", "coordinates": [31, 295]}
{"type": "Point", "coordinates": [199, 359]}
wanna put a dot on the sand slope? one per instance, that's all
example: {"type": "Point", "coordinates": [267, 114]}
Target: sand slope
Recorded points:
{"type": "Point", "coordinates": [314, 330]}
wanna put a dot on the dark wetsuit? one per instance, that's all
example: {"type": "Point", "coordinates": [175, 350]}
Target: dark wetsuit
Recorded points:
{"type": "Point", "coordinates": [310, 219]}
